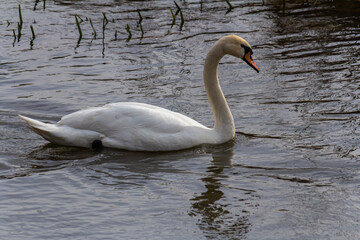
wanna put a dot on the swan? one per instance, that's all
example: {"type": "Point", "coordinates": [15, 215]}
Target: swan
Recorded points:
{"type": "Point", "coordinates": [142, 127]}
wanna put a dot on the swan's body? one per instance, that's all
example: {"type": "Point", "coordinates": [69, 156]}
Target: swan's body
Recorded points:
{"type": "Point", "coordinates": [143, 127]}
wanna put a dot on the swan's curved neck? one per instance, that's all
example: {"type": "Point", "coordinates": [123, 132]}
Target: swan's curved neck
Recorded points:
{"type": "Point", "coordinates": [224, 122]}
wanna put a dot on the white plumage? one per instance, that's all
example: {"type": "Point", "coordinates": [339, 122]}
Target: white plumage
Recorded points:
{"type": "Point", "coordinates": [143, 127]}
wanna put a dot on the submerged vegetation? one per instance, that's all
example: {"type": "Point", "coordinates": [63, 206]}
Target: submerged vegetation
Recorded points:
{"type": "Point", "coordinates": [33, 36]}
{"type": "Point", "coordinates": [79, 27]}
{"type": "Point", "coordinates": [36, 3]}
{"type": "Point", "coordinates": [178, 10]}
{"type": "Point", "coordinates": [129, 32]}
{"type": "Point", "coordinates": [20, 24]}
{"type": "Point", "coordinates": [139, 24]}
{"type": "Point", "coordinates": [17, 33]}
{"type": "Point", "coordinates": [92, 26]}
{"type": "Point", "coordinates": [230, 6]}
{"type": "Point", "coordinates": [78, 20]}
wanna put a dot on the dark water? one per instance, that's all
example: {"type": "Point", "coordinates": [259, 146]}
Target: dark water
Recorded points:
{"type": "Point", "coordinates": [293, 171]}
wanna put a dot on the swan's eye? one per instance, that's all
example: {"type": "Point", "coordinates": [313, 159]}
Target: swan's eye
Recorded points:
{"type": "Point", "coordinates": [247, 49]}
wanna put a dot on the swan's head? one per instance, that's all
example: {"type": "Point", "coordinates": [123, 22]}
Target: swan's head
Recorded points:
{"type": "Point", "coordinates": [240, 48]}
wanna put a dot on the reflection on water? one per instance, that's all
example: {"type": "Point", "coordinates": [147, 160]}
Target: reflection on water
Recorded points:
{"type": "Point", "coordinates": [292, 172]}
{"type": "Point", "coordinates": [216, 219]}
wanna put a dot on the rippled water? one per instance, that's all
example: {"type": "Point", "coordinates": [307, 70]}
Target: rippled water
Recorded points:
{"type": "Point", "coordinates": [293, 171]}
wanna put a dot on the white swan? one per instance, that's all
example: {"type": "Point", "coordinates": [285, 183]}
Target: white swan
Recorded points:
{"type": "Point", "coordinates": [142, 127]}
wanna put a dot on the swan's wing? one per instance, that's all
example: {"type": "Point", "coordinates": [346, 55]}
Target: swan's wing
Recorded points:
{"type": "Point", "coordinates": [120, 116]}
{"type": "Point", "coordinates": [137, 126]}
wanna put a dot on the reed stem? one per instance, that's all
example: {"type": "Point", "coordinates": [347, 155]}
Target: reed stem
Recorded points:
{"type": "Point", "coordinates": [32, 32]}
{"type": "Point", "coordinates": [19, 31]}
{"type": "Point", "coordinates": [173, 17]}
{"type": "Point", "coordinates": [105, 22]}
{"type": "Point", "coordinates": [230, 6]}
{"type": "Point", "coordinates": [129, 32]}
{"type": "Point", "coordinates": [79, 27]}
{"type": "Point", "coordinates": [20, 16]}
{"type": "Point", "coordinates": [14, 34]}
{"type": "Point", "coordinates": [182, 20]}
{"type": "Point", "coordinates": [178, 8]}
{"type": "Point", "coordinates": [92, 26]}
{"type": "Point", "coordinates": [36, 2]}
{"type": "Point", "coordinates": [140, 17]}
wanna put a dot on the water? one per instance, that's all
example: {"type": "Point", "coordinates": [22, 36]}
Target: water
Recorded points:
{"type": "Point", "coordinates": [292, 172]}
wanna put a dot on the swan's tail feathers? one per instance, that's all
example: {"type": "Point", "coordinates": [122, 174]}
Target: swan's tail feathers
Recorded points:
{"type": "Point", "coordinates": [63, 135]}
{"type": "Point", "coordinates": [46, 130]}
{"type": "Point", "coordinates": [33, 123]}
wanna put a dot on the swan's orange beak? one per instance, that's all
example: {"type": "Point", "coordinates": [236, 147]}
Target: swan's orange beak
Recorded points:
{"type": "Point", "coordinates": [249, 60]}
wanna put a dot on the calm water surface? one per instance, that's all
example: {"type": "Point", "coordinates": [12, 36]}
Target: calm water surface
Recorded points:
{"type": "Point", "coordinates": [293, 171]}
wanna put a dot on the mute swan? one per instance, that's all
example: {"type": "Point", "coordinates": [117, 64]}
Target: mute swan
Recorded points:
{"type": "Point", "coordinates": [143, 127]}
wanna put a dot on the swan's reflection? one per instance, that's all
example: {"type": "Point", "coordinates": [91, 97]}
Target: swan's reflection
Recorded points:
{"type": "Point", "coordinates": [216, 217]}
{"type": "Point", "coordinates": [217, 212]}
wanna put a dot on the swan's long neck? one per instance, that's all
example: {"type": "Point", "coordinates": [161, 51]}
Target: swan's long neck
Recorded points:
{"type": "Point", "coordinates": [224, 122]}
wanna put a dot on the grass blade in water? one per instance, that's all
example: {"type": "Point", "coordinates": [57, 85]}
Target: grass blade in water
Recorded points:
{"type": "Point", "coordinates": [178, 8]}
{"type": "Point", "coordinates": [14, 34]}
{"type": "Point", "coordinates": [92, 26]}
{"type": "Point", "coordinates": [19, 24]}
{"type": "Point", "coordinates": [182, 20]}
{"type": "Point", "coordinates": [36, 2]}
{"type": "Point", "coordinates": [19, 32]}
{"type": "Point", "coordinates": [174, 18]}
{"type": "Point", "coordinates": [20, 16]}
{"type": "Point", "coordinates": [129, 32]}
{"type": "Point", "coordinates": [105, 22]}
{"type": "Point", "coordinates": [33, 37]}
{"type": "Point", "coordinates": [32, 32]}
{"type": "Point", "coordinates": [140, 17]}
{"type": "Point", "coordinates": [79, 28]}
{"type": "Point", "coordinates": [230, 6]}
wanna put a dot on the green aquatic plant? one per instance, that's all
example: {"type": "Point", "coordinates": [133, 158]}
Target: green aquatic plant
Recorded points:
{"type": "Point", "coordinates": [92, 26]}
{"type": "Point", "coordinates": [79, 27]}
{"type": "Point", "coordinates": [139, 23]}
{"type": "Point", "coordinates": [33, 37]}
{"type": "Point", "coordinates": [105, 22]}
{"type": "Point", "coordinates": [140, 17]}
{"type": "Point", "coordinates": [230, 6]}
{"type": "Point", "coordinates": [173, 17]}
{"type": "Point", "coordinates": [14, 34]}
{"type": "Point", "coordinates": [20, 16]}
{"type": "Point", "coordinates": [81, 20]}
{"type": "Point", "coordinates": [19, 31]}
{"type": "Point", "coordinates": [36, 3]}
{"type": "Point", "coordinates": [182, 20]}
{"type": "Point", "coordinates": [178, 9]}
{"type": "Point", "coordinates": [19, 25]}
{"type": "Point", "coordinates": [129, 32]}
{"type": "Point", "coordinates": [32, 32]}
